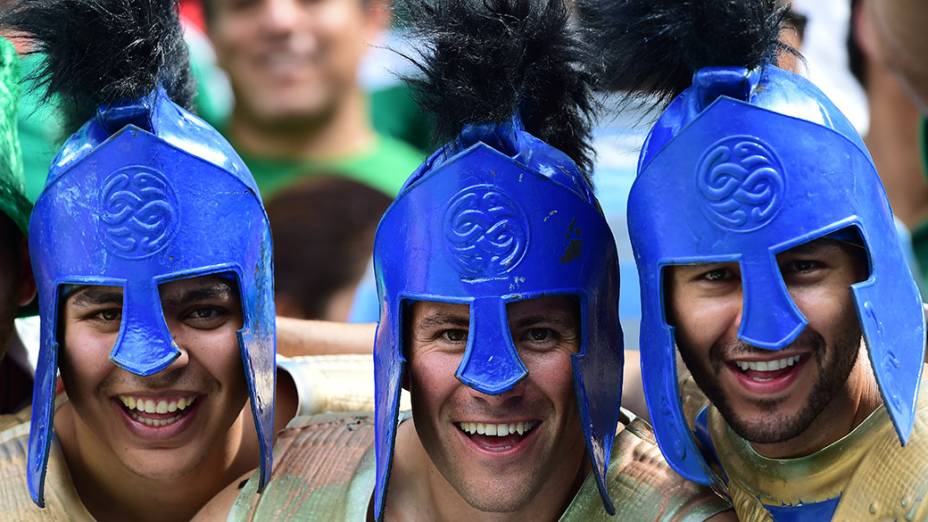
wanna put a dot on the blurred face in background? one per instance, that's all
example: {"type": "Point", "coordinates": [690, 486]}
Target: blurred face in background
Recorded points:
{"type": "Point", "coordinates": [291, 61]}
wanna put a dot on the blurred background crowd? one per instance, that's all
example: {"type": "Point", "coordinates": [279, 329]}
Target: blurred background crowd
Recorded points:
{"type": "Point", "coordinates": [308, 93]}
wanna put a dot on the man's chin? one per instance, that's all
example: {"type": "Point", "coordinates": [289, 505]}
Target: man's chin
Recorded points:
{"type": "Point", "coordinates": [291, 112]}
{"type": "Point", "coordinates": [497, 495]}
{"type": "Point", "coordinates": [160, 465]}
{"type": "Point", "coordinates": [766, 422]}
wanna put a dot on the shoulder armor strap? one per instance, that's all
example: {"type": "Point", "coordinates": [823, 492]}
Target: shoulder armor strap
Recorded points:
{"type": "Point", "coordinates": [643, 486]}
{"type": "Point", "coordinates": [61, 498]}
{"type": "Point", "coordinates": [316, 460]}
{"type": "Point", "coordinates": [892, 481]}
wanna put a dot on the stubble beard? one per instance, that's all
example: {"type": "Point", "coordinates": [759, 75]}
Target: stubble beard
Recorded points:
{"type": "Point", "coordinates": [834, 368]}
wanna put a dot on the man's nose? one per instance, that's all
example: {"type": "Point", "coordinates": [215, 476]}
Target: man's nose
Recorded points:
{"type": "Point", "coordinates": [509, 398]}
{"type": "Point", "coordinates": [280, 16]}
{"type": "Point", "coordinates": [170, 374]}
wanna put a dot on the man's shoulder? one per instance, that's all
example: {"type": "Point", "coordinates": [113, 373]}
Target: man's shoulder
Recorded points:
{"type": "Point", "coordinates": [327, 432]}
{"type": "Point", "coordinates": [892, 478]}
{"type": "Point", "coordinates": [637, 460]}
{"type": "Point", "coordinates": [642, 485]}
{"type": "Point", "coordinates": [62, 500]}
{"type": "Point", "coordinates": [323, 470]}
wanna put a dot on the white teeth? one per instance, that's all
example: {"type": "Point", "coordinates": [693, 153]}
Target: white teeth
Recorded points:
{"type": "Point", "coordinates": [155, 423]}
{"type": "Point", "coordinates": [498, 430]}
{"type": "Point", "coordinates": [151, 406]}
{"type": "Point", "coordinates": [767, 366]}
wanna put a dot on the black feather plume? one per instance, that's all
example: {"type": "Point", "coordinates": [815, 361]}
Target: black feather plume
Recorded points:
{"type": "Point", "coordinates": [103, 51]}
{"type": "Point", "coordinates": [483, 60]}
{"type": "Point", "coordinates": [655, 46]}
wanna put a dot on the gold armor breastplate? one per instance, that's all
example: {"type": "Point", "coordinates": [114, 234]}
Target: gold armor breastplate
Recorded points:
{"type": "Point", "coordinates": [876, 478]}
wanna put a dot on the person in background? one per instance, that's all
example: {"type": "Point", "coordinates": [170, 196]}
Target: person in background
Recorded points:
{"type": "Point", "coordinates": [299, 107]}
{"type": "Point", "coordinates": [323, 231]}
{"type": "Point", "coordinates": [896, 132]}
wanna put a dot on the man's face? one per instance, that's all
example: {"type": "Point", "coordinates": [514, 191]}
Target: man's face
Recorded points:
{"type": "Point", "coordinates": [165, 425]}
{"type": "Point", "coordinates": [770, 396]}
{"type": "Point", "coordinates": [290, 61]}
{"type": "Point", "coordinates": [498, 452]}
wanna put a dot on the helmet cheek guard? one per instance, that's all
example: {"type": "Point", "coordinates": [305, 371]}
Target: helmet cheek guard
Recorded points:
{"type": "Point", "coordinates": [145, 205]}
{"type": "Point", "coordinates": [748, 180]}
{"type": "Point", "coordinates": [477, 227]}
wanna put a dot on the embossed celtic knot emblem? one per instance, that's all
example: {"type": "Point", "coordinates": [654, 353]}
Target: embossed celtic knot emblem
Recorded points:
{"type": "Point", "coordinates": [139, 212]}
{"type": "Point", "coordinates": [742, 183]}
{"type": "Point", "coordinates": [486, 232]}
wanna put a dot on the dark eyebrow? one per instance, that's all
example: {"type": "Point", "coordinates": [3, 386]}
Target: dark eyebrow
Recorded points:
{"type": "Point", "coordinates": [221, 290]}
{"type": "Point", "coordinates": [444, 319]}
{"type": "Point", "coordinates": [812, 247]}
{"type": "Point", "coordinates": [92, 296]}
{"type": "Point", "coordinates": [556, 318]}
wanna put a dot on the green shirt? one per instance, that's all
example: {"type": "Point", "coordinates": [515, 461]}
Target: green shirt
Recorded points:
{"type": "Point", "coordinates": [385, 167]}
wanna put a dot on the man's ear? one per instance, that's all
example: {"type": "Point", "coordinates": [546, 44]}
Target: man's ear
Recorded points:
{"type": "Point", "coordinates": [27, 290]}
{"type": "Point", "coordinates": [865, 34]}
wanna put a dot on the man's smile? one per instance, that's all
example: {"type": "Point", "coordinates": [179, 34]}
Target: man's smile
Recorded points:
{"type": "Point", "coordinates": [497, 438]}
{"type": "Point", "coordinates": [768, 376]}
{"type": "Point", "coordinates": [157, 416]}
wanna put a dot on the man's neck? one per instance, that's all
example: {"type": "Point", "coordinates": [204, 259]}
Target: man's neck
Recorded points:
{"type": "Point", "coordinates": [418, 490]}
{"type": "Point", "coordinates": [859, 397]}
{"type": "Point", "coordinates": [343, 131]}
{"type": "Point", "coordinates": [110, 491]}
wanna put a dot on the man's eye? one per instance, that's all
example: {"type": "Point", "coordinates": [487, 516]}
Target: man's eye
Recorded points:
{"type": "Point", "coordinates": [454, 336]}
{"type": "Point", "coordinates": [109, 315]}
{"type": "Point", "coordinates": [799, 266]}
{"type": "Point", "coordinates": [539, 335]}
{"type": "Point", "coordinates": [719, 274]}
{"type": "Point", "coordinates": [204, 313]}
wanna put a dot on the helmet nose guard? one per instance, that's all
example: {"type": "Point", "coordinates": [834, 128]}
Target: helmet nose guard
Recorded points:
{"type": "Point", "coordinates": [145, 345]}
{"type": "Point", "coordinates": [769, 317]}
{"type": "Point", "coordinates": [751, 173]}
{"type": "Point", "coordinates": [492, 369]}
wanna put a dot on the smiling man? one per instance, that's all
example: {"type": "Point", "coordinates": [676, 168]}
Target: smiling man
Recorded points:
{"type": "Point", "coordinates": [498, 281]}
{"type": "Point", "coordinates": [151, 251]}
{"type": "Point", "coordinates": [768, 257]}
